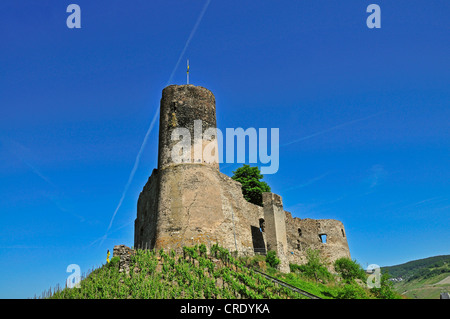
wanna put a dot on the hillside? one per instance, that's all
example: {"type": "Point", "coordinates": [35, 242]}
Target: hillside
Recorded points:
{"type": "Point", "coordinates": [421, 279]}
{"type": "Point", "coordinates": [194, 274]}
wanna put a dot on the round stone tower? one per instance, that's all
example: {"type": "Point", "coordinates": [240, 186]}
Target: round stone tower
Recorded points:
{"type": "Point", "coordinates": [187, 128]}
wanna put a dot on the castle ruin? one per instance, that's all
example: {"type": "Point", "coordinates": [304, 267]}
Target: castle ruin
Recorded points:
{"type": "Point", "coordinates": [191, 202]}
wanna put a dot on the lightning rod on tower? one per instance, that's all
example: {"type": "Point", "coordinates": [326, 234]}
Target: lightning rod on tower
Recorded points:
{"type": "Point", "coordinates": [187, 72]}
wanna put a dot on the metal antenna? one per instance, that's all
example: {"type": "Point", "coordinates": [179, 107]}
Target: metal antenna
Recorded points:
{"type": "Point", "coordinates": [187, 71]}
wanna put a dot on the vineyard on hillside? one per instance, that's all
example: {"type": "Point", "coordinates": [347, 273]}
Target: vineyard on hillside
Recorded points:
{"type": "Point", "coordinates": [195, 274]}
{"type": "Point", "coordinates": [165, 275]}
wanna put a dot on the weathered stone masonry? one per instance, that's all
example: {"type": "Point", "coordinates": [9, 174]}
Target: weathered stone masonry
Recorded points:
{"type": "Point", "coordinates": [193, 202]}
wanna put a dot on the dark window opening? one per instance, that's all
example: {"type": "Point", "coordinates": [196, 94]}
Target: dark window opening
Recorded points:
{"type": "Point", "coordinates": [300, 232]}
{"type": "Point", "coordinates": [259, 246]}
{"type": "Point", "coordinates": [343, 234]}
{"type": "Point", "coordinates": [261, 224]}
{"type": "Point", "coordinates": [323, 238]}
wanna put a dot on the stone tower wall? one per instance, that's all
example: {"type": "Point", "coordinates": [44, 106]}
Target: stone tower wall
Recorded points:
{"type": "Point", "coordinates": [187, 204]}
{"type": "Point", "coordinates": [190, 109]}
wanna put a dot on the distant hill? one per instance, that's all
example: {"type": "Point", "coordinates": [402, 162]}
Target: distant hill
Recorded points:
{"type": "Point", "coordinates": [423, 278]}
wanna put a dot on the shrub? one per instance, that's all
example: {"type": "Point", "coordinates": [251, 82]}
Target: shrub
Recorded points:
{"type": "Point", "coordinates": [315, 267]}
{"type": "Point", "coordinates": [272, 259]}
{"type": "Point", "coordinates": [349, 269]}
{"type": "Point", "coordinates": [295, 267]}
{"type": "Point", "coordinates": [352, 291]}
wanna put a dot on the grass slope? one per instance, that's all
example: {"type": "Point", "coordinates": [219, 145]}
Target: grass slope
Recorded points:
{"type": "Point", "coordinates": [161, 275]}
{"type": "Point", "coordinates": [196, 275]}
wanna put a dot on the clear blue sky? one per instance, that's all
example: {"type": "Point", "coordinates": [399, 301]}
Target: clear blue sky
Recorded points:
{"type": "Point", "coordinates": [363, 115]}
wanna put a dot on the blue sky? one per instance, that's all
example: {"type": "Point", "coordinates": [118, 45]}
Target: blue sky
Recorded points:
{"type": "Point", "coordinates": [363, 117]}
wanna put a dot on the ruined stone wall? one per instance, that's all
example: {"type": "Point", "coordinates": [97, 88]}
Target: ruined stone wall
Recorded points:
{"type": "Point", "coordinates": [124, 253]}
{"type": "Point", "coordinates": [242, 216]}
{"type": "Point", "coordinates": [304, 234]}
{"type": "Point", "coordinates": [275, 227]}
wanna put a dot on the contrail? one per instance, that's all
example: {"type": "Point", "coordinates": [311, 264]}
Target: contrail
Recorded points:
{"type": "Point", "coordinates": [17, 149]}
{"type": "Point", "coordinates": [331, 129]}
{"type": "Point", "coordinates": [133, 171]}
{"type": "Point", "coordinates": [14, 146]}
{"type": "Point", "coordinates": [307, 183]}
{"type": "Point", "coordinates": [152, 124]}
{"type": "Point", "coordinates": [36, 171]}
